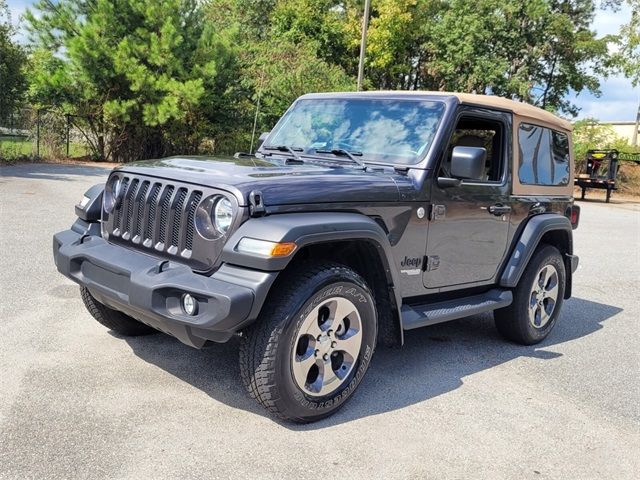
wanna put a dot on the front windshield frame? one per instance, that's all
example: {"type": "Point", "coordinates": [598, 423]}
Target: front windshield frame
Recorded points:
{"type": "Point", "coordinates": [391, 160]}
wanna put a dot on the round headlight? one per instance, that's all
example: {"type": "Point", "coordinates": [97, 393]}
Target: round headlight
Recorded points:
{"type": "Point", "coordinates": [214, 216]}
{"type": "Point", "coordinates": [112, 194]}
{"type": "Point", "coordinates": [223, 215]}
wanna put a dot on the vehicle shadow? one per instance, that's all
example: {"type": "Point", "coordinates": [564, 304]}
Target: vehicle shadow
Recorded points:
{"type": "Point", "coordinates": [433, 361]}
{"type": "Point", "coordinates": [52, 171]}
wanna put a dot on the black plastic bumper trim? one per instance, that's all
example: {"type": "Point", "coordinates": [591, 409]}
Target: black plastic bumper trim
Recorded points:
{"type": "Point", "coordinates": [133, 283]}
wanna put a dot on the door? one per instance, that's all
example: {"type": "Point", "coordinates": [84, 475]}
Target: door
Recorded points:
{"type": "Point", "coordinates": [469, 223]}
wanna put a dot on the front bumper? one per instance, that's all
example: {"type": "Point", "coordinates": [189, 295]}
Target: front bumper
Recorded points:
{"type": "Point", "coordinates": [150, 290]}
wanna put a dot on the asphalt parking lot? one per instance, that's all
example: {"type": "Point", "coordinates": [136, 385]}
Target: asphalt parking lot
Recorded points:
{"type": "Point", "coordinates": [455, 402]}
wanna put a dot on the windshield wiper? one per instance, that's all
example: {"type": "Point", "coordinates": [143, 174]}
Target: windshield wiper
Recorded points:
{"type": "Point", "coordinates": [341, 152]}
{"type": "Point", "coordinates": [286, 148]}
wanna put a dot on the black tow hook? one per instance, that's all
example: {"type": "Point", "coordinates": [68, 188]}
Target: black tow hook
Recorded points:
{"type": "Point", "coordinates": [161, 267]}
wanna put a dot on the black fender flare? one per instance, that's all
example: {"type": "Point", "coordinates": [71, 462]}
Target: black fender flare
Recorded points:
{"type": "Point", "coordinates": [92, 209]}
{"type": "Point", "coordinates": [310, 228]}
{"type": "Point", "coordinates": [527, 243]}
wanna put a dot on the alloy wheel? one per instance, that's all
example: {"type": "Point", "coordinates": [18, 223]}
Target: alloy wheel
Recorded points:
{"type": "Point", "coordinates": [327, 346]}
{"type": "Point", "coordinates": [544, 296]}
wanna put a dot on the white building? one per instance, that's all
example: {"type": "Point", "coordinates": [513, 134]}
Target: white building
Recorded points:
{"type": "Point", "coordinates": [627, 130]}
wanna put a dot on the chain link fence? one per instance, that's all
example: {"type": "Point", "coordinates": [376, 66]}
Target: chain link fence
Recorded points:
{"type": "Point", "coordinates": [32, 134]}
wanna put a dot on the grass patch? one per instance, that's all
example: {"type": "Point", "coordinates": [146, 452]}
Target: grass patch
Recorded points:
{"type": "Point", "coordinates": [14, 148]}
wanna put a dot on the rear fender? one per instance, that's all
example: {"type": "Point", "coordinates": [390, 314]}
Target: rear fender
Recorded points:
{"type": "Point", "coordinates": [532, 234]}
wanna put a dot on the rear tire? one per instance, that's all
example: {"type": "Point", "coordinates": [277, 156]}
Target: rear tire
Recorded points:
{"type": "Point", "coordinates": [537, 299]}
{"type": "Point", "coordinates": [113, 319]}
{"type": "Point", "coordinates": [308, 351]}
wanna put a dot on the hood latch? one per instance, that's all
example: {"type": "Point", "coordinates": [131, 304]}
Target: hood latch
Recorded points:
{"type": "Point", "coordinates": [256, 205]}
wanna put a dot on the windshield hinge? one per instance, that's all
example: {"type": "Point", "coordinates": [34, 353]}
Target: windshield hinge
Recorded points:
{"type": "Point", "coordinates": [401, 169]}
{"type": "Point", "coordinates": [256, 206]}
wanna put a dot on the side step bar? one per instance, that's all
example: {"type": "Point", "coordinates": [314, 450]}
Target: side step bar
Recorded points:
{"type": "Point", "coordinates": [415, 316]}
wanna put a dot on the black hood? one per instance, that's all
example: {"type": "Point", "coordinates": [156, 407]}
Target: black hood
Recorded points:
{"type": "Point", "coordinates": [280, 184]}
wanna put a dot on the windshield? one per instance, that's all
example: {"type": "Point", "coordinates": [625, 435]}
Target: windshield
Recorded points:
{"type": "Point", "coordinates": [384, 130]}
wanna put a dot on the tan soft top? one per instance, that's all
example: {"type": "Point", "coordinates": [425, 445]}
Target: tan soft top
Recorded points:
{"type": "Point", "coordinates": [518, 108]}
{"type": "Point", "coordinates": [521, 109]}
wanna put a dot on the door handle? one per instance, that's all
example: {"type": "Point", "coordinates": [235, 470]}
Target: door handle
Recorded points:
{"type": "Point", "coordinates": [499, 209]}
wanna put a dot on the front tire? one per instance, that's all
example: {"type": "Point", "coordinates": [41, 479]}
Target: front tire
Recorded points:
{"type": "Point", "coordinates": [537, 299]}
{"type": "Point", "coordinates": [113, 319]}
{"type": "Point", "coordinates": [311, 346]}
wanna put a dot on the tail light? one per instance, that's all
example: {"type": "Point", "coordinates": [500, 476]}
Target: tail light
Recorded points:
{"type": "Point", "coordinates": [573, 214]}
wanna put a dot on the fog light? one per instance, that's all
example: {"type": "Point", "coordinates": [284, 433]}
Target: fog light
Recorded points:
{"type": "Point", "coordinates": [189, 304]}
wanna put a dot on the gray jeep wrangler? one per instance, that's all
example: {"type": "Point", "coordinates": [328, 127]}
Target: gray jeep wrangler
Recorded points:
{"type": "Point", "coordinates": [361, 216]}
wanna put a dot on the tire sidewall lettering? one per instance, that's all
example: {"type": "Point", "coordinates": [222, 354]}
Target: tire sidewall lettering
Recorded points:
{"type": "Point", "coordinates": [367, 309]}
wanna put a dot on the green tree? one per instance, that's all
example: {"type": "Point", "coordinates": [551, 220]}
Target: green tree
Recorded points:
{"type": "Point", "coordinates": [590, 134]}
{"type": "Point", "coordinates": [281, 71]}
{"type": "Point", "coordinates": [136, 70]}
{"type": "Point", "coordinates": [395, 46]}
{"type": "Point", "coordinates": [626, 56]}
{"type": "Point", "coordinates": [536, 51]}
{"type": "Point", "coordinates": [285, 49]}
{"type": "Point", "coordinates": [13, 58]}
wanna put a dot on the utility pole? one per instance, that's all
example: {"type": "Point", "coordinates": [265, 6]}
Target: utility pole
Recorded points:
{"type": "Point", "coordinates": [363, 42]}
{"type": "Point", "coordinates": [634, 140]}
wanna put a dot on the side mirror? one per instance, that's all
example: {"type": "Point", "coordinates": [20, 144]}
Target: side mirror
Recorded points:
{"type": "Point", "coordinates": [468, 162]}
{"type": "Point", "coordinates": [263, 136]}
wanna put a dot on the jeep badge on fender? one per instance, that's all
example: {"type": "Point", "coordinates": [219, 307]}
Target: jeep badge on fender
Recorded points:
{"type": "Point", "coordinates": [311, 249]}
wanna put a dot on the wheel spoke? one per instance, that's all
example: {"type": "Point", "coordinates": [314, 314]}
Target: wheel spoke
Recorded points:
{"type": "Point", "coordinates": [340, 309]}
{"type": "Point", "coordinates": [328, 376]}
{"type": "Point", "coordinates": [302, 365]}
{"type": "Point", "coordinates": [549, 307]}
{"type": "Point", "coordinates": [544, 317]}
{"type": "Point", "coordinates": [532, 312]}
{"type": "Point", "coordinates": [310, 325]}
{"type": "Point", "coordinates": [537, 315]}
{"type": "Point", "coordinates": [552, 292]}
{"type": "Point", "coordinates": [550, 279]}
{"type": "Point", "coordinates": [350, 343]}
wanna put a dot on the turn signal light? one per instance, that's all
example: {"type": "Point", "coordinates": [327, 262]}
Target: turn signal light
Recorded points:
{"type": "Point", "coordinates": [265, 248]}
{"type": "Point", "coordinates": [283, 249]}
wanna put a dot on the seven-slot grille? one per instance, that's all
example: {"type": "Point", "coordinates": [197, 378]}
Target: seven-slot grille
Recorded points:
{"type": "Point", "coordinates": [155, 215]}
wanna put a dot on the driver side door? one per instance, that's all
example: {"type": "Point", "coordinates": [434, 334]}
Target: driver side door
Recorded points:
{"type": "Point", "coordinates": [469, 223]}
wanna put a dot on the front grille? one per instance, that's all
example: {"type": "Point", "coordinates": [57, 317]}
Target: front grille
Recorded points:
{"type": "Point", "coordinates": [191, 218]}
{"type": "Point", "coordinates": [155, 215]}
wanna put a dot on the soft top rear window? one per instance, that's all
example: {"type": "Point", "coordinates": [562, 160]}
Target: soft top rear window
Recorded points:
{"type": "Point", "coordinates": [544, 156]}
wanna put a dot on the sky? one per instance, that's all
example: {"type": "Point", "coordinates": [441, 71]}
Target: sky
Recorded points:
{"type": "Point", "coordinates": [619, 100]}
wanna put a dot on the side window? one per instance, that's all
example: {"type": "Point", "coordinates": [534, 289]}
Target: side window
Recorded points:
{"type": "Point", "coordinates": [544, 156]}
{"type": "Point", "coordinates": [475, 132]}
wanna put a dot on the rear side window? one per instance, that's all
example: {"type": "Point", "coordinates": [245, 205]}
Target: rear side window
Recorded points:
{"type": "Point", "coordinates": [544, 156]}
